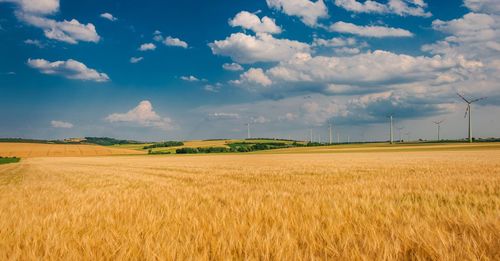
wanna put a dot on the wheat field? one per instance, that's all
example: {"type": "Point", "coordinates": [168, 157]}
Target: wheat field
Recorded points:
{"type": "Point", "coordinates": [439, 205]}
{"type": "Point", "coordinates": [29, 150]}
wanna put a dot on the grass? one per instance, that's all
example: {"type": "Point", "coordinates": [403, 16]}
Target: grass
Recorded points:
{"type": "Point", "coordinates": [9, 160]}
{"type": "Point", "coordinates": [437, 205]}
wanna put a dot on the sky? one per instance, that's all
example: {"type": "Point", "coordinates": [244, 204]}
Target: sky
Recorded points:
{"type": "Point", "coordinates": [179, 70]}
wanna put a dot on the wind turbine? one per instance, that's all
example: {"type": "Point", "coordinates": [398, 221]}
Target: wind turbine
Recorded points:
{"type": "Point", "coordinates": [438, 123]}
{"type": "Point", "coordinates": [399, 131]}
{"type": "Point", "coordinates": [248, 130]}
{"type": "Point", "coordinates": [391, 132]}
{"type": "Point", "coordinates": [330, 133]}
{"type": "Point", "coordinates": [469, 110]}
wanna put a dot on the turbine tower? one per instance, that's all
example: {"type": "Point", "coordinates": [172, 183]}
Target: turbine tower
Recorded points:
{"type": "Point", "coordinates": [391, 132]}
{"type": "Point", "coordinates": [438, 123]}
{"type": "Point", "coordinates": [248, 130]}
{"type": "Point", "coordinates": [330, 133]}
{"type": "Point", "coordinates": [469, 110]}
{"type": "Point", "coordinates": [399, 132]}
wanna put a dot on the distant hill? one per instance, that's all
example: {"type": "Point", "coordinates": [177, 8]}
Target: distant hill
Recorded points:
{"type": "Point", "coordinates": [104, 141]}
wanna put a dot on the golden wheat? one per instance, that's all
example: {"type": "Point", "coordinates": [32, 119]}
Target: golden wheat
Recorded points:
{"type": "Point", "coordinates": [361, 206]}
{"type": "Point", "coordinates": [29, 150]}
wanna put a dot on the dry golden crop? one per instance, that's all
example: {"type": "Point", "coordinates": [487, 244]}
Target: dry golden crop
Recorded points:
{"type": "Point", "coordinates": [28, 150]}
{"type": "Point", "coordinates": [441, 205]}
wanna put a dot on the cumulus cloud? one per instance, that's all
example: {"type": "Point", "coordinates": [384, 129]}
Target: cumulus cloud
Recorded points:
{"type": "Point", "coordinates": [373, 108]}
{"type": "Point", "coordinates": [61, 124]}
{"type": "Point", "coordinates": [34, 12]}
{"type": "Point", "coordinates": [252, 22]}
{"type": "Point", "coordinates": [70, 69]}
{"type": "Point", "coordinates": [472, 35]}
{"type": "Point", "coordinates": [232, 67]}
{"type": "Point", "coordinates": [254, 76]}
{"type": "Point", "coordinates": [142, 115]}
{"type": "Point", "coordinates": [341, 45]}
{"type": "Point", "coordinates": [263, 47]}
{"type": "Point", "coordinates": [371, 68]}
{"type": "Point", "coordinates": [398, 7]}
{"type": "Point", "coordinates": [66, 31]}
{"type": "Point", "coordinates": [136, 59]}
{"type": "Point", "coordinates": [147, 47]}
{"type": "Point", "coordinates": [40, 7]}
{"type": "Point", "coordinates": [369, 31]}
{"type": "Point", "coordinates": [475, 36]}
{"type": "Point", "coordinates": [171, 41]}
{"type": "Point", "coordinates": [483, 6]}
{"type": "Point", "coordinates": [309, 12]}
{"type": "Point", "coordinates": [109, 16]}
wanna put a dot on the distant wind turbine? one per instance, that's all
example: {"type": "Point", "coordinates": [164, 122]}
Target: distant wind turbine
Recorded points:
{"type": "Point", "coordinates": [391, 132]}
{"type": "Point", "coordinates": [399, 131]}
{"type": "Point", "coordinates": [438, 123]}
{"type": "Point", "coordinates": [330, 133]}
{"type": "Point", "coordinates": [248, 130]}
{"type": "Point", "coordinates": [469, 110]}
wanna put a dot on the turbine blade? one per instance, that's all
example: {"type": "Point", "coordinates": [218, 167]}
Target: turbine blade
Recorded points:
{"type": "Point", "coordinates": [463, 98]}
{"type": "Point", "coordinates": [483, 98]}
{"type": "Point", "coordinates": [466, 111]}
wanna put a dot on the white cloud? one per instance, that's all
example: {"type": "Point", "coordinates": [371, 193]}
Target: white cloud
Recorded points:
{"type": "Point", "coordinates": [367, 69]}
{"type": "Point", "coordinates": [143, 115]}
{"type": "Point", "coordinates": [36, 43]}
{"type": "Point", "coordinates": [171, 41]}
{"type": "Point", "coordinates": [252, 22]}
{"type": "Point", "coordinates": [33, 12]}
{"type": "Point", "coordinates": [108, 16]}
{"type": "Point", "coordinates": [158, 37]}
{"type": "Point", "coordinates": [259, 119]}
{"type": "Point", "coordinates": [398, 7]}
{"type": "Point", "coordinates": [483, 6]}
{"type": "Point", "coordinates": [136, 59]}
{"type": "Point", "coordinates": [190, 78]}
{"type": "Point", "coordinates": [246, 49]}
{"type": "Point", "coordinates": [66, 31]}
{"type": "Point", "coordinates": [362, 7]}
{"type": "Point", "coordinates": [40, 7]}
{"type": "Point", "coordinates": [369, 31]}
{"type": "Point", "coordinates": [254, 76]}
{"type": "Point", "coordinates": [70, 69]}
{"type": "Point", "coordinates": [232, 67]}
{"type": "Point", "coordinates": [308, 11]}
{"type": "Point", "coordinates": [223, 116]}
{"type": "Point", "coordinates": [335, 42]}
{"type": "Point", "coordinates": [474, 36]}
{"type": "Point", "coordinates": [147, 47]}
{"type": "Point", "coordinates": [341, 45]}
{"type": "Point", "coordinates": [61, 124]}
{"type": "Point", "coordinates": [212, 87]}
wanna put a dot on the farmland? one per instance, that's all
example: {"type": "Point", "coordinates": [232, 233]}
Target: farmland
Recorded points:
{"type": "Point", "coordinates": [29, 150]}
{"type": "Point", "coordinates": [365, 202]}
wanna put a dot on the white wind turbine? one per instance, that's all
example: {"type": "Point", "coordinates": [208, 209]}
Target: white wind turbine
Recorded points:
{"type": "Point", "coordinates": [438, 123]}
{"type": "Point", "coordinates": [469, 111]}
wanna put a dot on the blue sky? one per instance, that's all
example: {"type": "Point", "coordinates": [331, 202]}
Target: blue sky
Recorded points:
{"type": "Point", "coordinates": [157, 70]}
